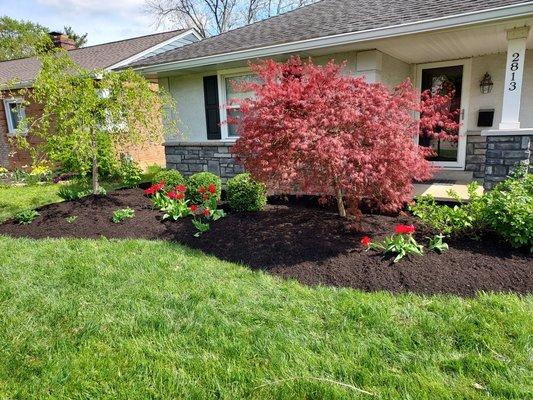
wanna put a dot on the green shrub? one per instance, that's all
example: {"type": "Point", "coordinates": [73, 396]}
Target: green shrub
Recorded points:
{"type": "Point", "coordinates": [245, 194]}
{"type": "Point", "coordinates": [463, 218]}
{"type": "Point", "coordinates": [151, 171]}
{"type": "Point", "coordinates": [199, 179]}
{"type": "Point", "coordinates": [509, 209]}
{"type": "Point", "coordinates": [75, 190]}
{"type": "Point", "coordinates": [171, 177]}
{"type": "Point", "coordinates": [120, 215]}
{"type": "Point", "coordinates": [130, 173]}
{"type": "Point", "coordinates": [26, 217]}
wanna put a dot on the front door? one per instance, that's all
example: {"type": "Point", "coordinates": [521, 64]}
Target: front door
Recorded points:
{"type": "Point", "coordinates": [439, 78]}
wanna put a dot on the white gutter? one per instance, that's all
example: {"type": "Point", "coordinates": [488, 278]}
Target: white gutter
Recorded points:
{"type": "Point", "coordinates": [493, 14]}
{"type": "Point", "coordinates": [153, 48]}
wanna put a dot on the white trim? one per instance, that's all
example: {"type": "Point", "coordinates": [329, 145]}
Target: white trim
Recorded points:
{"type": "Point", "coordinates": [507, 132]}
{"type": "Point", "coordinates": [222, 75]}
{"type": "Point", "coordinates": [153, 48]}
{"type": "Point", "coordinates": [11, 131]}
{"type": "Point", "coordinates": [465, 100]}
{"type": "Point", "coordinates": [494, 14]}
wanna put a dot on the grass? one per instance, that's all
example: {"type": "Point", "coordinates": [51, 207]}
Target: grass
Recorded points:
{"type": "Point", "coordinates": [138, 319]}
{"type": "Point", "coordinates": [14, 199]}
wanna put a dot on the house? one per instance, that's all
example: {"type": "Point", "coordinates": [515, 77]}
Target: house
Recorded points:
{"type": "Point", "coordinates": [483, 48]}
{"type": "Point", "coordinates": [20, 73]}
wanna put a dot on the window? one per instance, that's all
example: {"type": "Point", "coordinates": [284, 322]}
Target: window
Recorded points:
{"type": "Point", "coordinates": [15, 112]}
{"type": "Point", "coordinates": [232, 110]}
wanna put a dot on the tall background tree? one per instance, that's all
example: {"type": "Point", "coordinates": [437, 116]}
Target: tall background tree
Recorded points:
{"type": "Point", "coordinates": [212, 17]}
{"type": "Point", "coordinates": [79, 40]}
{"type": "Point", "coordinates": [90, 117]}
{"type": "Point", "coordinates": [19, 39]}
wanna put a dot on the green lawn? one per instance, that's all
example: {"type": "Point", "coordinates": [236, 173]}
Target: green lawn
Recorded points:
{"type": "Point", "coordinates": [85, 319]}
{"type": "Point", "coordinates": [137, 319]}
{"type": "Point", "coordinates": [14, 199]}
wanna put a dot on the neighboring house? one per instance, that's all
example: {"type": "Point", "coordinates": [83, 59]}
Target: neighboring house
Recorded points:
{"type": "Point", "coordinates": [430, 41]}
{"type": "Point", "coordinates": [104, 56]}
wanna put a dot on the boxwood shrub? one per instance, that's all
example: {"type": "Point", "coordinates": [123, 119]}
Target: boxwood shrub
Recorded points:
{"type": "Point", "coordinates": [171, 177]}
{"type": "Point", "coordinates": [245, 194]}
{"type": "Point", "coordinates": [201, 179]}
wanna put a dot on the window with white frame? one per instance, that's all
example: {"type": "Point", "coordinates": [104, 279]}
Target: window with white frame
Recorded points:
{"type": "Point", "coordinates": [15, 112]}
{"type": "Point", "coordinates": [229, 93]}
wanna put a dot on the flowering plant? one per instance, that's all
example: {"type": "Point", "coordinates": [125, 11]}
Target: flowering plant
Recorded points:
{"type": "Point", "coordinates": [176, 206]}
{"type": "Point", "coordinates": [436, 244]}
{"type": "Point", "coordinates": [156, 192]}
{"type": "Point", "coordinates": [207, 210]}
{"type": "Point", "coordinates": [401, 243]}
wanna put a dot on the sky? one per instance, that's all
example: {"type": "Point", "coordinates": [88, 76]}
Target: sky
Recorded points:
{"type": "Point", "coordinates": [103, 20]}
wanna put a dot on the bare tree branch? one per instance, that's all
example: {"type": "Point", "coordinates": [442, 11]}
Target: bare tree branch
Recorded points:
{"type": "Point", "coordinates": [212, 17]}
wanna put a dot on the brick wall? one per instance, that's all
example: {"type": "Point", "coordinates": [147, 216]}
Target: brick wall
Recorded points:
{"type": "Point", "coordinates": [215, 157]}
{"type": "Point", "coordinates": [12, 157]}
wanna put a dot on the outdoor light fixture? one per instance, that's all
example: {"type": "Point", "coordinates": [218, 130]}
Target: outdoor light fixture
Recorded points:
{"type": "Point", "coordinates": [486, 84]}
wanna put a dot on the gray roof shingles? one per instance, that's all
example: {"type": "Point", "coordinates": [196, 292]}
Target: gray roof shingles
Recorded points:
{"type": "Point", "coordinates": [324, 18]}
{"type": "Point", "coordinates": [91, 57]}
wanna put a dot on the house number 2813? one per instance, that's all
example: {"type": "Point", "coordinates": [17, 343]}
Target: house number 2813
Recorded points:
{"type": "Point", "coordinates": [514, 67]}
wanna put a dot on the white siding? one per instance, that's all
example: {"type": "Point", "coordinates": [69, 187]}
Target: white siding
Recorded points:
{"type": "Point", "coordinates": [188, 90]}
{"type": "Point", "coordinates": [494, 64]}
{"type": "Point", "coordinates": [188, 93]}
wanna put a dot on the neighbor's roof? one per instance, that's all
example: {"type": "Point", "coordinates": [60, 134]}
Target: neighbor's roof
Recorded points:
{"type": "Point", "coordinates": [322, 19]}
{"type": "Point", "coordinates": [92, 57]}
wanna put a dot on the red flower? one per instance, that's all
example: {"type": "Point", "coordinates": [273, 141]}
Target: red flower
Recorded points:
{"type": "Point", "coordinates": [404, 229]}
{"type": "Point", "coordinates": [180, 196]}
{"type": "Point", "coordinates": [172, 195]}
{"type": "Point", "coordinates": [154, 188]}
{"type": "Point", "coordinates": [212, 188]}
{"type": "Point", "coordinates": [181, 188]}
{"type": "Point", "coordinates": [201, 189]}
{"type": "Point", "coordinates": [193, 208]}
{"type": "Point", "coordinates": [206, 212]}
{"type": "Point", "coordinates": [365, 241]}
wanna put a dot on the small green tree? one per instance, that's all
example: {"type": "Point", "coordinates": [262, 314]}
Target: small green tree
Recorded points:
{"type": "Point", "coordinates": [90, 117]}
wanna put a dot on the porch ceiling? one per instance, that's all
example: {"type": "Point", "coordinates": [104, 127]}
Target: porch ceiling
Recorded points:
{"type": "Point", "coordinates": [442, 44]}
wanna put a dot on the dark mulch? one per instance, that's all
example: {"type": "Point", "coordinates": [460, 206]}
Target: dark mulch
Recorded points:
{"type": "Point", "coordinates": [299, 241]}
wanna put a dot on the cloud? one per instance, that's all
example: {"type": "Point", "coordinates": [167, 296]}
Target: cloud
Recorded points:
{"type": "Point", "coordinates": [94, 7]}
{"type": "Point", "coordinates": [104, 20]}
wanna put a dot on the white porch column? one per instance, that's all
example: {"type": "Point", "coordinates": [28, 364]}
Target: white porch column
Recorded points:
{"type": "Point", "coordinates": [514, 69]}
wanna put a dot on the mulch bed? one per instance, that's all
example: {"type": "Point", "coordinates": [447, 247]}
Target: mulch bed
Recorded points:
{"type": "Point", "coordinates": [299, 241]}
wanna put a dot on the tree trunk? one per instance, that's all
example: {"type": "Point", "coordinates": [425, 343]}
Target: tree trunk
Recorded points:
{"type": "Point", "coordinates": [96, 186]}
{"type": "Point", "coordinates": [340, 203]}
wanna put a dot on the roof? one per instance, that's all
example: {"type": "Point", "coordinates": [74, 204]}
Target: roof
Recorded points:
{"type": "Point", "coordinates": [322, 19]}
{"type": "Point", "coordinates": [91, 57]}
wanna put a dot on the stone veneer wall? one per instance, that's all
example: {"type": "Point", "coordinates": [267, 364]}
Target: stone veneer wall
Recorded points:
{"type": "Point", "coordinates": [189, 157]}
{"type": "Point", "coordinates": [503, 154]}
{"type": "Point", "coordinates": [476, 147]}
{"type": "Point", "coordinates": [489, 158]}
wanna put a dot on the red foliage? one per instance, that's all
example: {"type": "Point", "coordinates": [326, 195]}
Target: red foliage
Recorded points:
{"type": "Point", "coordinates": [316, 130]}
{"type": "Point", "coordinates": [436, 119]}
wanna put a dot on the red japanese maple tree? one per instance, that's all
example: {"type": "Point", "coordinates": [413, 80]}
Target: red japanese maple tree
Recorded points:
{"type": "Point", "coordinates": [316, 130]}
